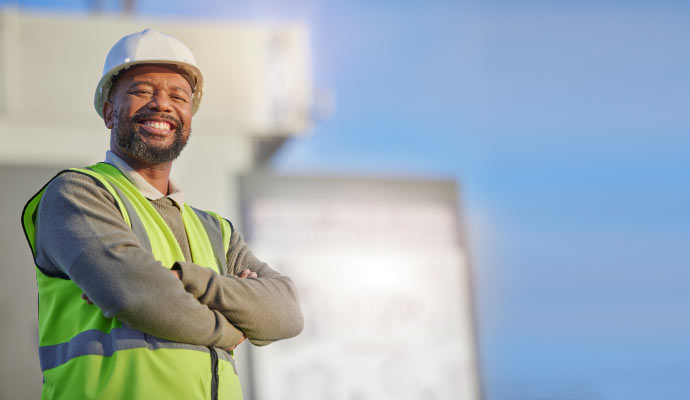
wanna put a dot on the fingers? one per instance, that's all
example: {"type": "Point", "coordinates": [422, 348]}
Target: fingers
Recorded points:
{"type": "Point", "coordinates": [247, 274]}
{"type": "Point", "coordinates": [85, 297]}
{"type": "Point", "coordinates": [241, 340]}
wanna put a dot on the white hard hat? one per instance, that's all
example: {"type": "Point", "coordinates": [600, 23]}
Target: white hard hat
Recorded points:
{"type": "Point", "coordinates": [148, 47]}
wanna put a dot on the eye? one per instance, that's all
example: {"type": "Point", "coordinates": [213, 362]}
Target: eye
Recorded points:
{"type": "Point", "coordinates": [178, 97]}
{"type": "Point", "coordinates": [140, 92]}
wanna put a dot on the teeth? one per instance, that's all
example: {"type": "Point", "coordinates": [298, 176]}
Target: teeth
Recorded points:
{"type": "Point", "coordinates": [158, 125]}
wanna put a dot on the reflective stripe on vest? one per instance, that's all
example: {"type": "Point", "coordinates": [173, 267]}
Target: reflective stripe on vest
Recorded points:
{"type": "Point", "coordinates": [95, 342]}
{"type": "Point", "coordinates": [76, 338]}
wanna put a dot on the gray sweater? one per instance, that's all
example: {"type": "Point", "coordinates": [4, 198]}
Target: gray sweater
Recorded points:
{"type": "Point", "coordinates": [81, 235]}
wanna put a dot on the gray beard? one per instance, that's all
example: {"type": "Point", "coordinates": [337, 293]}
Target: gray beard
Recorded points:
{"type": "Point", "coordinates": [129, 141]}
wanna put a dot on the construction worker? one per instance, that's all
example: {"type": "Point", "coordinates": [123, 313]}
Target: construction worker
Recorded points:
{"type": "Point", "coordinates": [142, 296]}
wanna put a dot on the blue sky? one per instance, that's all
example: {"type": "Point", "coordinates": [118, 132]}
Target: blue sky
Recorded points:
{"type": "Point", "coordinates": [566, 125]}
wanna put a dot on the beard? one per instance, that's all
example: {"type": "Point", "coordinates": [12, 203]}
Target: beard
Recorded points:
{"type": "Point", "coordinates": [127, 138]}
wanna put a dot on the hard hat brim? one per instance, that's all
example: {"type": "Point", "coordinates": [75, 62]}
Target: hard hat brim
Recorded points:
{"type": "Point", "coordinates": [105, 84]}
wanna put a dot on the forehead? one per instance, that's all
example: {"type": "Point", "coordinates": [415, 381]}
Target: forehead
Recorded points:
{"type": "Point", "coordinates": [153, 74]}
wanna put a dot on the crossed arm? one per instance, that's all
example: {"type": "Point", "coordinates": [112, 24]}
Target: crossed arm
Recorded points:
{"type": "Point", "coordinates": [246, 273]}
{"type": "Point", "coordinates": [81, 235]}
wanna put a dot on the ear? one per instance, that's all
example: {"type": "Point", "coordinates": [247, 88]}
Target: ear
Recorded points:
{"type": "Point", "coordinates": [108, 114]}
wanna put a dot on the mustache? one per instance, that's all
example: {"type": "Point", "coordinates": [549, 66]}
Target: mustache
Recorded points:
{"type": "Point", "coordinates": [142, 116]}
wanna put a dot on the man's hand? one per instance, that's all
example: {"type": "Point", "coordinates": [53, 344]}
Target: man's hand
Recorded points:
{"type": "Point", "coordinates": [241, 340]}
{"type": "Point", "coordinates": [85, 297]}
{"type": "Point", "coordinates": [247, 274]}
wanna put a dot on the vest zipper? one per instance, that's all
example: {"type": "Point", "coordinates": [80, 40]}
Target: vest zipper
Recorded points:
{"type": "Point", "coordinates": [214, 373]}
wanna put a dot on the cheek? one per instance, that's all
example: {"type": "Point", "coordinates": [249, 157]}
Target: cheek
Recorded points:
{"type": "Point", "coordinates": [186, 118]}
{"type": "Point", "coordinates": [131, 107]}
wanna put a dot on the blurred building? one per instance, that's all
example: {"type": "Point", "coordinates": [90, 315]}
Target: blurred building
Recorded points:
{"type": "Point", "coordinates": [258, 95]}
{"type": "Point", "coordinates": [383, 277]}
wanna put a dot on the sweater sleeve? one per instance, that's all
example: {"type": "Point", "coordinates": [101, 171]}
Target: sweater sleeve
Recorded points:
{"type": "Point", "coordinates": [265, 308]}
{"type": "Point", "coordinates": [81, 233]}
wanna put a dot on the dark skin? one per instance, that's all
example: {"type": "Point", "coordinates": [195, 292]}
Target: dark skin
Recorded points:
{"type": "Point", "coordinates": [167, 97]}
{"type": "Point", "coordinates": [153, 89]}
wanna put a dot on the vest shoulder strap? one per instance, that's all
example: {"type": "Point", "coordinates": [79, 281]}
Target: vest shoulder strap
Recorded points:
{"type": "Point", "coordinates": [109, 188]}
{"type": "Point", "coordinates": [30, 211]}
{"type": "Point", "coordinates": [129, 214]}
{"type": "Point", "coordinates": [218, 231]}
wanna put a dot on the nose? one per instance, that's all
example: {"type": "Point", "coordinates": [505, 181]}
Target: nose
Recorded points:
{"type": "Point", "coordinates": [160, 101]}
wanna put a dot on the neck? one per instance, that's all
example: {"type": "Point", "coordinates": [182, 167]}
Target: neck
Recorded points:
{"type": "Point", "coordinates": [158, 175]}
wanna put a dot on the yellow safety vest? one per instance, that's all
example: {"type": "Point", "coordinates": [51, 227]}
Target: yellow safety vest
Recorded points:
{"type": "Point", "coordinates": [85, 355]}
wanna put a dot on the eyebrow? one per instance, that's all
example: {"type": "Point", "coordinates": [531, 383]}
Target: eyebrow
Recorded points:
{"type": "Point", "coordinates": [149, 83]}
{"type": "Point", "coordinates": [181, 89]}
{"type": "Point", "coordinates": [137, 83]}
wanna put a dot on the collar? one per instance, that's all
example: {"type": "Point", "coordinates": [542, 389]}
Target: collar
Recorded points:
{"type": "Point", "coordinates": [146, 189]}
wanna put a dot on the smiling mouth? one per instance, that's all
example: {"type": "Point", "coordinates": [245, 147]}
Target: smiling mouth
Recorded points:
{"type": "Point", "coordinates": [158, 126]}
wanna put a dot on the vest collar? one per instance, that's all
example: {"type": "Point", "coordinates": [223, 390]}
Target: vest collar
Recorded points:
{"type": "Point", "coordinates": [146, 189]}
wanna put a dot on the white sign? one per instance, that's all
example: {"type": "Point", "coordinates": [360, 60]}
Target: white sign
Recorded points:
{"type": "Point", "coordinates": [384, 289]}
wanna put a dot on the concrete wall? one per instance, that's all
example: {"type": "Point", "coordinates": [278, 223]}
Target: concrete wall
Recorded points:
{"type": "Point", "coordinates": [20, 374]}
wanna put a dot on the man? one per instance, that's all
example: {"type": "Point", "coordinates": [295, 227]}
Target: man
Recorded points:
{"type": "Point", "coordinates": [140, 295]}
